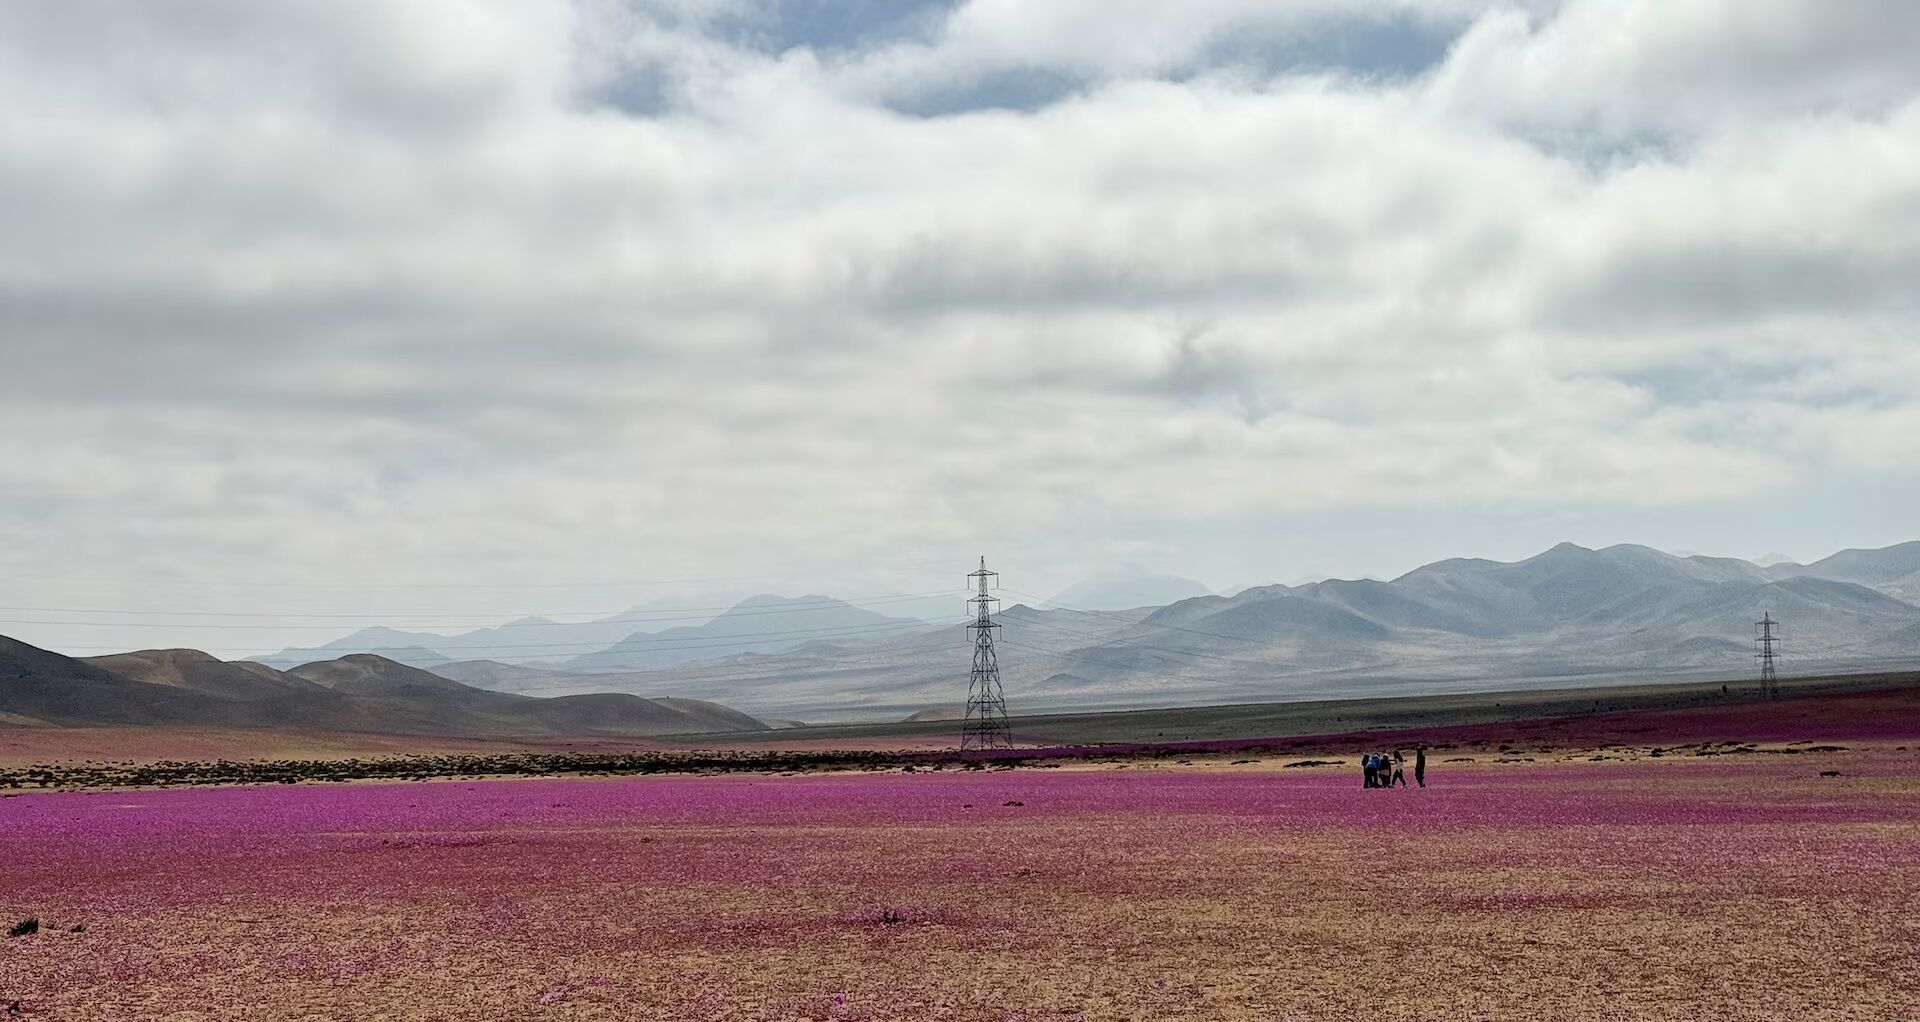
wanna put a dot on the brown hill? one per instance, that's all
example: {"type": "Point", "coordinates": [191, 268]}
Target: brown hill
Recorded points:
{"type": "Point", "coordinates": [372, 674]}
{"type": "Point", "coordinates": [42, 687]}
{"type": "Point", "coordinates": [201, 672]}
{"type": "Point", "coordinates": [427, 702]}
{"type": "Point", "coordinates": [363, 692]}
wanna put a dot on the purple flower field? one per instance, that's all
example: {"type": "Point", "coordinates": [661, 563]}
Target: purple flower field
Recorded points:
{"type": "Point", "coordinates": [1731, 887]}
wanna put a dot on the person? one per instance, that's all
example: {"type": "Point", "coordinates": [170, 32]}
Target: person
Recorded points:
{"type": "Point", "coordinates": [1420, 765]}
{"type": "Point", "coordinates": [1399, 776]}
{"type": "Point", "coordinates": [1366, 770]}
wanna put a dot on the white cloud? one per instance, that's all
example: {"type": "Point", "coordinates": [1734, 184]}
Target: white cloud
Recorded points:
{"type": "Point", "coordinates": [344, 291]}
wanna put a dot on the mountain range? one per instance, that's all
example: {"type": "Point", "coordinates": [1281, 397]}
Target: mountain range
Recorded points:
{"type": "Point", "coordinates": [1568, 614]}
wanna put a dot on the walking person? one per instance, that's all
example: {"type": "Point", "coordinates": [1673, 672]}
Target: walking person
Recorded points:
{"type": "Point", "coordinates": [1399, 776]}
{"type": "Point", "coordinates": [1420, 765]}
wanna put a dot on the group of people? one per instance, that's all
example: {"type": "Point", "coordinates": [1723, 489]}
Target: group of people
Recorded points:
{"type": "Point", "coordinates": [1380, 770]}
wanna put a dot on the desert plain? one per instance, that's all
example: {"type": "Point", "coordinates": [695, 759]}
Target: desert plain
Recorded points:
{"type": "Point", "coordinates": [1745, 861]}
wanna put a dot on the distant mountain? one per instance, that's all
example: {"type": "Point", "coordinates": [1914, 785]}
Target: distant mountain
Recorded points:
{"type": "Point", "coordinates": [620, 642]}
{"type": "Point", "coordinates": [361, 692]}
{"type": "Point", "coordinates": [1894, 570]}
{"type": "Point", "coordinates": [492, 674]}
{"type": "Point", "coordinates": [760, 624]}
{"type": "Point", "coordinates": [1125, 592]}
{"type": "Point", "coordinates": [1567, 614]}
{"type": "Point", "coordinates": [520, 640]}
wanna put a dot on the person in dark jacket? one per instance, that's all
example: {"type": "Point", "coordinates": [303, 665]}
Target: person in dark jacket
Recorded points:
{"type": "Point", "coordinates": [1420, 766]}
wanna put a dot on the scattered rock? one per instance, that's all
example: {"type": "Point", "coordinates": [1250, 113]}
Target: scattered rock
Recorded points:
{"type": "Point", "coordinates": [25, 927]}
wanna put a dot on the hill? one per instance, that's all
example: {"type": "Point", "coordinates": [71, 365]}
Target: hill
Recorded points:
{"type": "Point", "coordinates": [372, 674]}
{"type": "Point", "coordinates": [363, 693]}
{"type": "Point", "coordinates": [200, 672]}
{"type": "Point", "coordinates": [40, 687]}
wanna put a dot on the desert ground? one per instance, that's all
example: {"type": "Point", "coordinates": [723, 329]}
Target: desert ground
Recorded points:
{"type": "Point", "coordinates": [1303, 724]}
{"type": "Point", "coordinates": [1710, 862]}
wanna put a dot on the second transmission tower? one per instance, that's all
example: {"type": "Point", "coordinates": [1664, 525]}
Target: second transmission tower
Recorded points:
{"type": "Point", "coordinates": [985, 725]}
{"type": "Point", "coordinates": [1764, 635]}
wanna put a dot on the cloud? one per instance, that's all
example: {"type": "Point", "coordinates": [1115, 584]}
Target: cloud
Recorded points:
{"type": "Point", "coordinates": [473, 291]}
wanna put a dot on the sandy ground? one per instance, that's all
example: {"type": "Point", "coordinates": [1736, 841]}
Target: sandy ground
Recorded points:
{"type": "Point", "coordinates": [1705, 882]}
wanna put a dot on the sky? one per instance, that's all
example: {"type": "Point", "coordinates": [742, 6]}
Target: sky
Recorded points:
{"type": "Point", "coordinates": [318, 314]}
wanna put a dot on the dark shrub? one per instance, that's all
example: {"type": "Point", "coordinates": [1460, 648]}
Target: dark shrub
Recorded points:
{"type": "Point", "coordinates": [24, 927]}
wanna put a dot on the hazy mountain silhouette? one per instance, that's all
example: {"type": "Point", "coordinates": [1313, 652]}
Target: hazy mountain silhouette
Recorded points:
{"type": "Point", "coordinates": [492, 674]}
{"type": "Point", "coordinates": [759, 624]}
{"type": "Point", "coordinates": [616, 643]}
{"type": "Point", "coordinates": [1125, 592]}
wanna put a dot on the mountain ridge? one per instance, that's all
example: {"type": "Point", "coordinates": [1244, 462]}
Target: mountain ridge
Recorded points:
{"type": "Point", "coordinates": [360, 692]}
{"type": "Point", "coordinates": [1624, 611]}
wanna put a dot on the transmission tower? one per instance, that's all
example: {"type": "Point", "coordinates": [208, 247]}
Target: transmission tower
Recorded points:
{"type": "Point", "coordinates": [1764, 635]}
{"type": "Point", "coordinates": [985, 725]}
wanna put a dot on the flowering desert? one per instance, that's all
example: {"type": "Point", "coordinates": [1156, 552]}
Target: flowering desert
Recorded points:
{"type": "Point", "coordinates": [1771, 879]}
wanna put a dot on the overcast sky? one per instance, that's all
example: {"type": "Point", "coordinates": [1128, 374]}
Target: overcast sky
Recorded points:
{"type": "Point", "coordinates": [692, 299]}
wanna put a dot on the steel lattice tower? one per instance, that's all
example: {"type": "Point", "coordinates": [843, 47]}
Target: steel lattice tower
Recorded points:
{"type": "Point", "coordinates": [1764, 635]}
{"type": "Point", "coordinates": [985, 725]}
